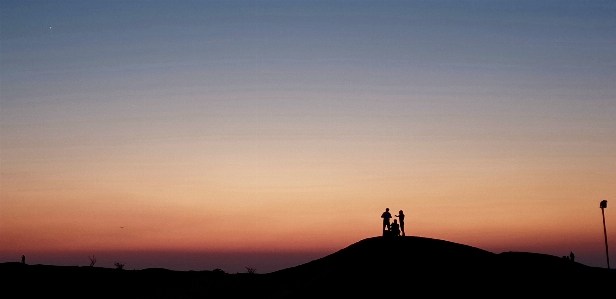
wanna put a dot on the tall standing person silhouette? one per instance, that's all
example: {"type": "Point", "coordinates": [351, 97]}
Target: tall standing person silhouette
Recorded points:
{"type": "Point", "coordinates": [386, 216]}
{"type": "Point", "coordinates": [401, 216]}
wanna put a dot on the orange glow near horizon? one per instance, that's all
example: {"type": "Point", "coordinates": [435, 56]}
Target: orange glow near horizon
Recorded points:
{"type": "Point", "coordinates": [299, 206]}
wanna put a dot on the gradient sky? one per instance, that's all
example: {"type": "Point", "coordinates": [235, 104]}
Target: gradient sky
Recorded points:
{"type": "Point", "coordinates": [196, 135]}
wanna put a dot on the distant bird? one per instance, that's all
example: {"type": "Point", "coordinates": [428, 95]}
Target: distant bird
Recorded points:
{"type": "Point", "coordinates": [121, 226]}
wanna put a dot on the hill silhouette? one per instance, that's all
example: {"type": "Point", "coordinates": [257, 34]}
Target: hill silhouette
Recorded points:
{"type": "Point", "coordinates": [412, 265]}
{"type": "Point", "coordinates": [379, 267]}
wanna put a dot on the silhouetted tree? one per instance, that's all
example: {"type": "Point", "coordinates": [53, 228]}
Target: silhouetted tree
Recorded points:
{"type": "Point", "coordinates": [119, 266]}
{"type": "Point", "coordinates": [251, 270]}
{"type": "Point", "coordinates": [92, 260]}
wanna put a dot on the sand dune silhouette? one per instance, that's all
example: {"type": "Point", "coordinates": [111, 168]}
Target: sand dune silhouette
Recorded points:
{"type": "Point", "coordinates": [414, 265]}
{"type": "Point", "coordinates": [379, 266]}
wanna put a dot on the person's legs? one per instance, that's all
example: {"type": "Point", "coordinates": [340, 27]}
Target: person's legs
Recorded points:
{"type": "Point", "coordinates": [402, 227]}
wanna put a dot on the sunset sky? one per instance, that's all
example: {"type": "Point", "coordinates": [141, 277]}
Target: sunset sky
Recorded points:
{"type": "Point", "coordinates": [201, 135]}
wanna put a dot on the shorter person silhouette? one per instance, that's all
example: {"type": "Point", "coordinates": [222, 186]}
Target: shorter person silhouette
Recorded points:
{"type": "Point", "coordinates": [23, 259]}
{"type": "Point", "coordinates": [395, 228]}
{"type": "Point", "coordinates": [401, 216]}
{"type": "Point", "coordinates": [572, 256]}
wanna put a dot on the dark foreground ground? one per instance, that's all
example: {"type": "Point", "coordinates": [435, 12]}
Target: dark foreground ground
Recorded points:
{"type": "Point", "coordinates": [398, 267]}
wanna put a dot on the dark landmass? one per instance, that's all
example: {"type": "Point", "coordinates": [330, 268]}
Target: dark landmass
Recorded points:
{"type": "Point", "coordinates": [377, 267]}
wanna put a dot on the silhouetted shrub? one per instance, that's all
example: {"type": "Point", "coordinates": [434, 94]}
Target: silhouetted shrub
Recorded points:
{"type": "Point", "coordinates": [119, 266]}
{"type": "Point", "coordinates": [251, 270]}
{"type": "Point", "coordinates": [92, 261]}
{"type": "Point", "coordinates": [218, 271]}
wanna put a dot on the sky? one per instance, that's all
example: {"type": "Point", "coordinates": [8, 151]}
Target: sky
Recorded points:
{"type": "Point", "coordinates": [194, 135]}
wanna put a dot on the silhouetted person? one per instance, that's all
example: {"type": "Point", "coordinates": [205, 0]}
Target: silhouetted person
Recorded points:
{"type": "Point", "coordinates": [572, 256]}
{"type": "Point", "coordinates": [395, 228]}
{"type": "Point", "coordinates": [23, 259]}
{"type": "Point", "coordinates": [401, 216]}
{"type": "Point", "coordinates": [386, 216]}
